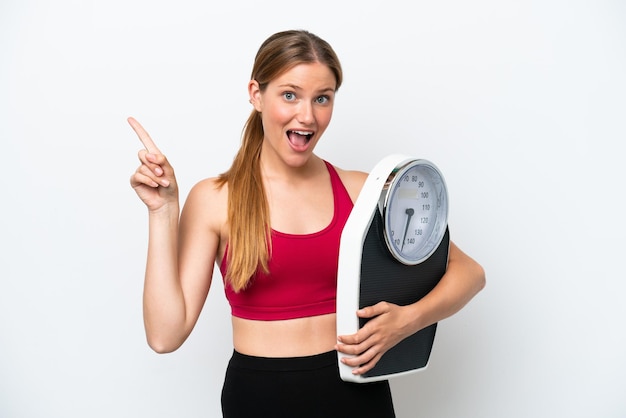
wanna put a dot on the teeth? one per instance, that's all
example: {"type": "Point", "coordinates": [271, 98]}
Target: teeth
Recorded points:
{"type": "Point", "coordinates": [303, 133]}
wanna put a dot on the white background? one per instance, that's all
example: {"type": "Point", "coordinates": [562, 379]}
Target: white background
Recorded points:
{"type": "Point", "coordinates": [520, 103]}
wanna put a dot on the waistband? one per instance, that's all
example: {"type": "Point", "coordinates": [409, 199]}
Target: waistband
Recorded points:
{"type": "Point", "coordinates": [284, 364]}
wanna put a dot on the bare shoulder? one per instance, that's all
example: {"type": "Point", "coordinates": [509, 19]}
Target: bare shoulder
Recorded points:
{"type": "Point", "coordinates": [353, 181]}
{"type": "Point", "coordinates": [207, 202]}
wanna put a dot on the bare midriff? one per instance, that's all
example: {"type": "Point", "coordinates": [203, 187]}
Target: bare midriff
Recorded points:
{"type": "Point", "coordinates": [285, 338]}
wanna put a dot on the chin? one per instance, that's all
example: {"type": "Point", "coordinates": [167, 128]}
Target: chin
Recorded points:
{"type": "Point", "coordinates": [298, 160]}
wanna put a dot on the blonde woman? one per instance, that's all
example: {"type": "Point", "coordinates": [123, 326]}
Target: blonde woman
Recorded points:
{"type": "Point", "coordinates": [272, 225]}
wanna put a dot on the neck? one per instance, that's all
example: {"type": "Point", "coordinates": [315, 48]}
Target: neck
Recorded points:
{"type": "Point", "coordinates": [278, 169]}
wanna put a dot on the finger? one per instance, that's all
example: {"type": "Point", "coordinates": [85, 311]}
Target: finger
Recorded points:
{"type": "Point", "coordinates": [348, 339]}
{"type": "Point", "coordinates": [366, 359]}
{"type": "Point", "coordinates": [355, 343]}
{"type": "Point", "coordinates": [147, 172]}
{"type": "Point", "coordinates": [145, 139]}
{"type": "Point", "coordinates": [153, 161]}
{"type": "Point", "coordinates": [367, 366]}
{"type": "Point", "coordinates": [359, 360]}
{"type": "Point", "coordinates": [368, 312]}
{"type": "Point", "coordinates": [372, 311]}
{"type": "Point", "coordinates": [138, 179]}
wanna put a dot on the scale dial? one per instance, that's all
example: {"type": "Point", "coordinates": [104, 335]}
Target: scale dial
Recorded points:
{"type": "Point", "coordinates": [415, 211]}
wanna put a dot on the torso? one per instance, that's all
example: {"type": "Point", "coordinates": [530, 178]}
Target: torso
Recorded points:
{"type": "Point", "coordinates": [304, 207]}
{"type": "Point", "coordinates": [286, 338]}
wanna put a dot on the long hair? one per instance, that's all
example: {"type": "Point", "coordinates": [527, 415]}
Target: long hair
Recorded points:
{"type": "Point", "coordinates": [249, 246]}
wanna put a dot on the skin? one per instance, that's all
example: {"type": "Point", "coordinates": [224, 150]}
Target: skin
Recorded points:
{"type": "Point", "coordinates": [182, 252]}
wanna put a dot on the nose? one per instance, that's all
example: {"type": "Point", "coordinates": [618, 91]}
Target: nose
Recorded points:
{"type": "Point", "coordinates": [305, 114]}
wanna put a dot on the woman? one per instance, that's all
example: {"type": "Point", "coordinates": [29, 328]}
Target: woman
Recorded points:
{"type": "Point", "coordinates": [272, 224]}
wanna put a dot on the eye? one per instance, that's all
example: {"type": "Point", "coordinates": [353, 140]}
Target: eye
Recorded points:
{"type": "Point", "coordinates": [322, 100]}
{"type": "Point", "coordinates": [289, 96]}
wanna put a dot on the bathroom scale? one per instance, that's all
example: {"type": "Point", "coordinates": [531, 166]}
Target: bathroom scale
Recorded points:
{"type": "Point", "coordinates": [393, 248]}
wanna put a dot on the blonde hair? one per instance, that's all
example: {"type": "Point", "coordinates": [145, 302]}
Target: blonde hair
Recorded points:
{"type": "Point", "coordinates": [249, 246]}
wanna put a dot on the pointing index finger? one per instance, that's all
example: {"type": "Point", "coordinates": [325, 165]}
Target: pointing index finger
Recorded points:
{"type": "Point", "coordinates": [143, 136]}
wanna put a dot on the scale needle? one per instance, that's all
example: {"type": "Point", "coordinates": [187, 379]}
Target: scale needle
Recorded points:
{"type": "Point", "coordinates": [409, 213]}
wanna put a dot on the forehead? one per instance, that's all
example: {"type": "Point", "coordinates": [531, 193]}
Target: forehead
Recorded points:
{"type": "Point", "coordinates": [315, 76]}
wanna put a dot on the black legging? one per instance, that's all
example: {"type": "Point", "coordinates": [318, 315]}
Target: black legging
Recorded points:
{"type": "Point", "coordinates": [299, 387]}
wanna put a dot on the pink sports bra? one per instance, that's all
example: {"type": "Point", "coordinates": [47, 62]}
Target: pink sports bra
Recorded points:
{"type": "Point", "coordinates": [302, 280]}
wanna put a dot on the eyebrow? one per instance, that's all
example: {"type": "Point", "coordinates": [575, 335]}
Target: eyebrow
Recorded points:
{"type": "Point", "coordinates": [295, 87]}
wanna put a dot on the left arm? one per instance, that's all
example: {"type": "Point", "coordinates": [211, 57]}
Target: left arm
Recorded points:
{"type": "Point", "coordinates": [391, 323]}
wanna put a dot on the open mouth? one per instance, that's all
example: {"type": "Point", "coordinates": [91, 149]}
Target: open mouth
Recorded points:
{"type": "Point", "coordinates": [299, 138]}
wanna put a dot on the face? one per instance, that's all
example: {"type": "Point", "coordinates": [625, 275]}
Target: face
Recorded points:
{"type": "Point", "coordinates": [296, 109]}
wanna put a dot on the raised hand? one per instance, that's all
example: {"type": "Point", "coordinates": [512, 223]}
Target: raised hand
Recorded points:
{"type": "Point", "coordinates": [154, 180]}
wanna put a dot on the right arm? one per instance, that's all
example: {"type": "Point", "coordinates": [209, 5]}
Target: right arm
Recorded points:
{"type": "Point", "coordinates": [181, 252]}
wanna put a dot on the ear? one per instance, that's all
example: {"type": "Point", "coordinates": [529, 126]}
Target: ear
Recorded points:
{"type": "Point", "coordinates": [254, 91]}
